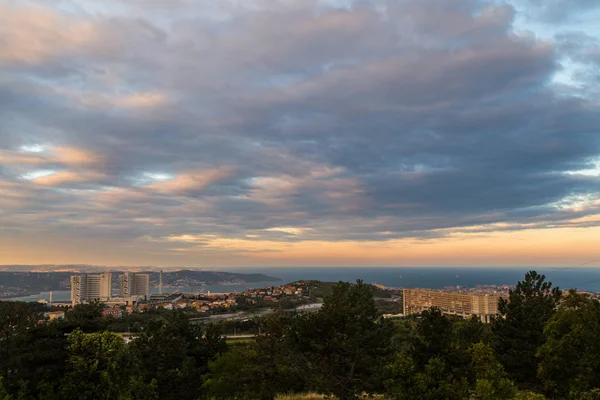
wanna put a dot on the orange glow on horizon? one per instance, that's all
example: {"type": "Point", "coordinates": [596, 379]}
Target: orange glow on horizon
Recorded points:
{"type": "Point", "coordinates": [541, 247]}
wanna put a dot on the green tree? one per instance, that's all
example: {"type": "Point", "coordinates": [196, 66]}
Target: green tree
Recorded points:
{"type": "Point", "coordinates": [526, 395]}
{"type": "Point", "coordinates": [16, 318]}
{"type": "Point", "coordinates": [570, 358]}
{"type": "Point", "coordinates": [404, 381]}
{"type": "Point", "coordinates": [261, 369]}
{"type": "Point", "coordinates": [41, 360]}
{"type": "Point", "coordinates": [86, 317]}
{"type": "Point", "coordinates": [490, 378]}
{"type": "Point", "coordinates": [518, 331]}
{"type": "Point", "coordinates": [137, 389]}
{"type": "Point", "coordinates": [97, 367]}
{"type": "Point", "coordinates": [593, 394]}
{"type": "Point", "coordinates": [280, 367]}
{"type": "Point", "coordinates": [228, 376]}
{"type": "Point", "coordinates": [346, 342]}
{"type": "Point", "coordinates": [16, 321]}
{"type": "Point", "coordinates": [3, 392]}
{"type": "Point", "coordinates": [176, 354]}
{"type": "Point", "coordinates": [434, 337]}
{"type": "Point", "coordinates": [448, 360]}
{"type": "Point", "coordinates": [447, 338]}
{"type": "Point", "coordinates": [405, 336]}
{"type": "Point", "coordinates": [240, 374]}
{"type": "Point", "coordinates": [400, 377]}
{"type": "Point", "coordinates": [468, 332]}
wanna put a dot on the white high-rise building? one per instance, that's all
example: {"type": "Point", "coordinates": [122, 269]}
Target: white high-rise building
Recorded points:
{"type": "Point", "coordinates": [133, 284]}
{"type": "Point", "coordinates": [89, 287]}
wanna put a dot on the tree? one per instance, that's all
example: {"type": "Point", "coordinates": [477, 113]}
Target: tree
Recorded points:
{"type": "Point", "coordinates": [16, 321]}
{"type": "Point", "coordinates": [16, 318]}
{"type": "Point", "coordinates": [570, 358]}
{"type": "Point", "coordinates": [97, 367]}
{"type": "Point", "coordinates": [593, 394]}
{"type": "Point", "coordinates": [86, 317]}
{"type": "Point", "coordinates": [490, 378]}
{"type": "Point", "coordinates": [518, 331]}
{"type": "Point", "coordinates": [435, 337]}
{"type": "Point", "coordinates": [41, 360]}
{"type": "Point", "coordinates": [137, 389]}
{"type": "Point", "coordinates": [279, 366]}
{"type": "Point", "coordinates": [3, 392]}
{"type": "Point", "coordinates": [449, 339]}
{"type": "Point", "coordinates": [526, 395]}
{"type": "Point", "coordinates": [261, 369]}
{"type": "Point", "coordinates": [434, 381]}
{"type": "Point", "coordinates": [228, 375]}
{"type": "Point", "coordinates": [439, 365]}
{"type": "Point", "coordinates": [176, 354]}
{"type": "Point", "coordinates": [468, 332]}
{"type": "Point", "coordinates": [346, 342]}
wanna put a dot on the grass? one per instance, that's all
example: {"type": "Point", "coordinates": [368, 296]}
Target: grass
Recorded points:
{"type": "Point", "coordinates": [239, 340]}
{"type": "Point", "coordinates": [316, 396]}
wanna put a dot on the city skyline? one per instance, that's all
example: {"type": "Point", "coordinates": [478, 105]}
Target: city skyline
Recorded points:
{"type": "Point", "coordinates": [300, 133]}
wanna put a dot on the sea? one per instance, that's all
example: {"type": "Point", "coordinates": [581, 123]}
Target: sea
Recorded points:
{"type": "Point", "coordinates": [581, 278]}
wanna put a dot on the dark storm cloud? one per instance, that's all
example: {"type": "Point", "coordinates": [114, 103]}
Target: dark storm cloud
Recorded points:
{"type": "Point", "coordinates": [387, 119]}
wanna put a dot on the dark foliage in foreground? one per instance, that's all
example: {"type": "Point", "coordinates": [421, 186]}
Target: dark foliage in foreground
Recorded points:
{"type": "Point", "coordinates": [542, 345]}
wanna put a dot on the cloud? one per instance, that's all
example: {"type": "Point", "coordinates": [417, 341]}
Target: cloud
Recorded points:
{"type": "Point", "coordinates": [67, 156]}
{"type": "Point", "coordinates": [140, 100]}
{"type": "Point", "coordinates": [133, 101]}
{"type": "Point", "coordinates": [59, 178]}
{"type": "Point", "coordinates": [288, 229]}
{"type": "Point", "coordinates": [72, 156]}
{"type": "Point", "coordinates": [191, 181]}
{"type": "Point", "coordinates": [381, 121]}
{"type": "Point", "coordinates": [34, 34]}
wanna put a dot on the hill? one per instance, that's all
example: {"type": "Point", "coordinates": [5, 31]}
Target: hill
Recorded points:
{"type": "Point", "coordinates": [320, 289]}
{"type": "Point", "coordinates": [16, 284]}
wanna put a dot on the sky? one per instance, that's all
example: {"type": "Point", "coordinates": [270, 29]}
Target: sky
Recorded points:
{"type": "Point", "coordinates": [300, 132]}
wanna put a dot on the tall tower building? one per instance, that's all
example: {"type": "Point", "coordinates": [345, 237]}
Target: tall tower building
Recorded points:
{"type": "Point", "coordinates": [89, 287]}
{"type": "Point", "coordinates": [78, 291]}
{"type": "Point", "coordinates": [133, 284]}
{"type": "Point", "coordinates": [105, 286]}
{"type": "Point", "coordinates": [160, 283]}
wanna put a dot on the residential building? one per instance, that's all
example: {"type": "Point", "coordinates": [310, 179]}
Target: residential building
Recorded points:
{"type": "Point", "coordinates": [134, 284]}
{"type": "Point", "coordinates": [114, 312]}
{"type": "Point", "coordinates": [89, 287]}
{"type": "Point", "coordinates": [56, 315]}
{"type": "Point", "coordinates": [483, 306]}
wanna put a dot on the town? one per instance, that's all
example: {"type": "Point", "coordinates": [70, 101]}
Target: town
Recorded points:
{"type": "Point", "coordinates": [134, 295]}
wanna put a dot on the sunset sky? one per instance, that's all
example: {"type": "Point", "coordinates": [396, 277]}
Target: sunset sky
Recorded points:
{"type": "Point", "coordinates": [300, 132]}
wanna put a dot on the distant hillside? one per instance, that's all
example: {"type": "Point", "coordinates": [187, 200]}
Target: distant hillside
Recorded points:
{"type": "Point", "coordinates": [195, 278]}
{"type": "Point", "coordinates": [86, 268]}
{"type": "Point", "coordinates": [16, 284]}
{"type": "Point", "coordinates": [321, 289]}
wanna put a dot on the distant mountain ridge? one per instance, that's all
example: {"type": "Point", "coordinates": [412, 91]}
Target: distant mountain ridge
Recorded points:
{"type": "Point", "coordinates": [23, 283]}
{"type": "Point", "coordinates": [88, 268]}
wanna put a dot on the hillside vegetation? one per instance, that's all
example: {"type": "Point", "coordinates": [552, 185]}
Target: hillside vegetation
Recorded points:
{"type": "Point", "coordinates": [542, 345]}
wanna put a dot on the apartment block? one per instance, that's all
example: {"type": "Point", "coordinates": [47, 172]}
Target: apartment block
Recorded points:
{"type": "Point", "coordinates": [89, 287]}
{"type": "Point", "coordinates": [134, 284]}
{"type": "Point", "coordinates": [466, 305]}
